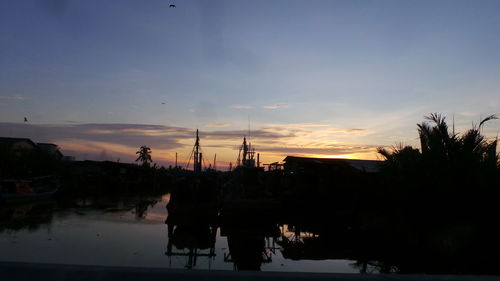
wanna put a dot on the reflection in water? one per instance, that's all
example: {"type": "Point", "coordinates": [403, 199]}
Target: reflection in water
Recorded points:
{"type": "Point", "coordinates": [141, 208]}
{"type": "Point", "coordinates": [29, 216]}
{"type": "Point", "coordinates": [131, 232]}
{"type": "Point", "coordinates": [194, 239]}
{"type": "Point", "coordinates": [250, 245]}
{"type": "Point", "coordinates": [33, 215]}
{"type": "Point", "coordinates": [97, 231]}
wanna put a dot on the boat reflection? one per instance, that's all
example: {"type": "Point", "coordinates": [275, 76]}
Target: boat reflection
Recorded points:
{"type": "Point", "coordinates": [250, 245]}
{"type": "Point", "coordinates": [191, 222]}
{"type": "Point", "coordinates": [199, 241]}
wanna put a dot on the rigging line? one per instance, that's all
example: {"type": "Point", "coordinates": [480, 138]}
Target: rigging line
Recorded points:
{"type": "Point", "coordinates": [239, 155]}
{"type": "Point", "coordinates": [189, 159]}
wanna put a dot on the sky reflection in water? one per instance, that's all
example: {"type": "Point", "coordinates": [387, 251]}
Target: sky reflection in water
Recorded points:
{"type": "Point", "coordinates": [117, 234]}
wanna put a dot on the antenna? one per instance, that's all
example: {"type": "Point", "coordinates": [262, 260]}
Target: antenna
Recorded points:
{"type": "Point", "coordinates": [248, 127]}
{"type": "Point", "coordinates": [215, 161]}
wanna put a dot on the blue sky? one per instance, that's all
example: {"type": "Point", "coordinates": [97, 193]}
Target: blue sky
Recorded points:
{"type": "Point", "coordinates": [343, 73]}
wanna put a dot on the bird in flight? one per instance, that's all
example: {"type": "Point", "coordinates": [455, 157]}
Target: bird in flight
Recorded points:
{"type": "Point", "coordinates": [171, 6]}
{"type": "Point", "coordinates": [25, 119]}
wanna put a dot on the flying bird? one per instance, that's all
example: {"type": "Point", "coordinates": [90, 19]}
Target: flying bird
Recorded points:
{"type": "Point", "coordinates": [171, 6]}
{"type": "Point", "coordinates": [25, 119]}
{"type": "Point", "coordinates": [162, 103]}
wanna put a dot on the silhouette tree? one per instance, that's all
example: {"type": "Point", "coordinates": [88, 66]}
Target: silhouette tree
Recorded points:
{"type": "Point", "coordinates": [144, 155]}
{"type": "Point", "coordinates": [449, 171]}
{"type": "Point", "coordinates": [442, 150]}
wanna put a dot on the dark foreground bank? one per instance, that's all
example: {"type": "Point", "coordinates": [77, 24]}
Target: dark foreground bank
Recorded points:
{"type": "Point", "coordinates": [55, 272]}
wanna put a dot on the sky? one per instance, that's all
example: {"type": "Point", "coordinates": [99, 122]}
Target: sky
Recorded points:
{"type": "Point", "coordinates": [307, 78]}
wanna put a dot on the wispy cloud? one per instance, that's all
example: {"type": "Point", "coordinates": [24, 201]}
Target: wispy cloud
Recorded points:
{"type": "Point", "coordinates": [133, 135]}
{"type": "Point", "coordinates": [326, 150]}
{"type": "Point", "coordinates": [218, 125]}
{"type": "Point", "coordinates": [239, 106]}
{"type": "Point", "coordinates": [468, 114]}
{"type": "Point", "coordinates": [299, 125]}
{"type": "Point", "coordinates": [275, 106]}
{"type": "Point", "coordinates": [13, 98]}
{"type": "Point", "coordinates": [238, 134]}
{"type": "Point", "coordinates": [317, 128]}
{"type": "Point", "coordinates": [352, 131]}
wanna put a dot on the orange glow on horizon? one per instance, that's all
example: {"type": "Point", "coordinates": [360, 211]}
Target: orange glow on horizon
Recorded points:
{"type": "Point", "coordinates": [225, 155]}
{"type": "Point", "coordinates": [303, 140]}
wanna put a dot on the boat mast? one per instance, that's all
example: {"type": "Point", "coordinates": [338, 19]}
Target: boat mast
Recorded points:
{"type": "Point", "coordinates": [197, 154]}
{"type": "Point", "coordinates": [245, 151]}
{"type": "Point", "coordinates": [246, 155]}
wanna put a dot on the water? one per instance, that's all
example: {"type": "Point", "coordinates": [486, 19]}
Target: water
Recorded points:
{"type": "Point", "coordinates": [128, 232]}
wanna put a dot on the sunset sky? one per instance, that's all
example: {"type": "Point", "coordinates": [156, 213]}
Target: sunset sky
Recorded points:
{"type": "Point", "coordinates": [313, 78]}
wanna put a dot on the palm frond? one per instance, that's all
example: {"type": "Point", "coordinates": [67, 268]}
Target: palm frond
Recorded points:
{"type": "Point", "coordinates": [488, 118]}
{"type": "Point", "coordinates": [384, 152]}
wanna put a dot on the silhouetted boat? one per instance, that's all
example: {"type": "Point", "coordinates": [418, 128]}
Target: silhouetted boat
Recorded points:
{"type": "Point", "coordinates": [245, 194]}
{"type": "Point", "coordinates": [27, 189]}
{"type": "Point", "coordinates": [194, 198]}
{"type": "Point", "coordinates": [192, 213]}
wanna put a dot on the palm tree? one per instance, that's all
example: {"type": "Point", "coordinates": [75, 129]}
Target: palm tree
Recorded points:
{"type": "Point", "coordinates": [445, 157]}
{"type": "Point", "coordinates": [452, 177]}
{"type": "Point", "coordinates": [439, 146]}
{"type": "Point", "coordinates": [401, 159]}
{"type": "Point", "coordinates": [144, 155]}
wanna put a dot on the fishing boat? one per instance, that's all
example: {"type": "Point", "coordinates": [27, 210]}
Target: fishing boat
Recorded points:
{"type": "Point", "coordinates": [245, 194]}
{"type": "Point", "coordinates": [27, 189]}
{"type": "Point", "coordinates": [194, 197]}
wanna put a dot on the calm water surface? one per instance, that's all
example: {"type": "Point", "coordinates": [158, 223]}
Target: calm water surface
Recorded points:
{"type": "Point", "coordinates": [126, 232]}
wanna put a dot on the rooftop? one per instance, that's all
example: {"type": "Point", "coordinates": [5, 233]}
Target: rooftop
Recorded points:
{"type": "Point", "coordinates": [370, 166]}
